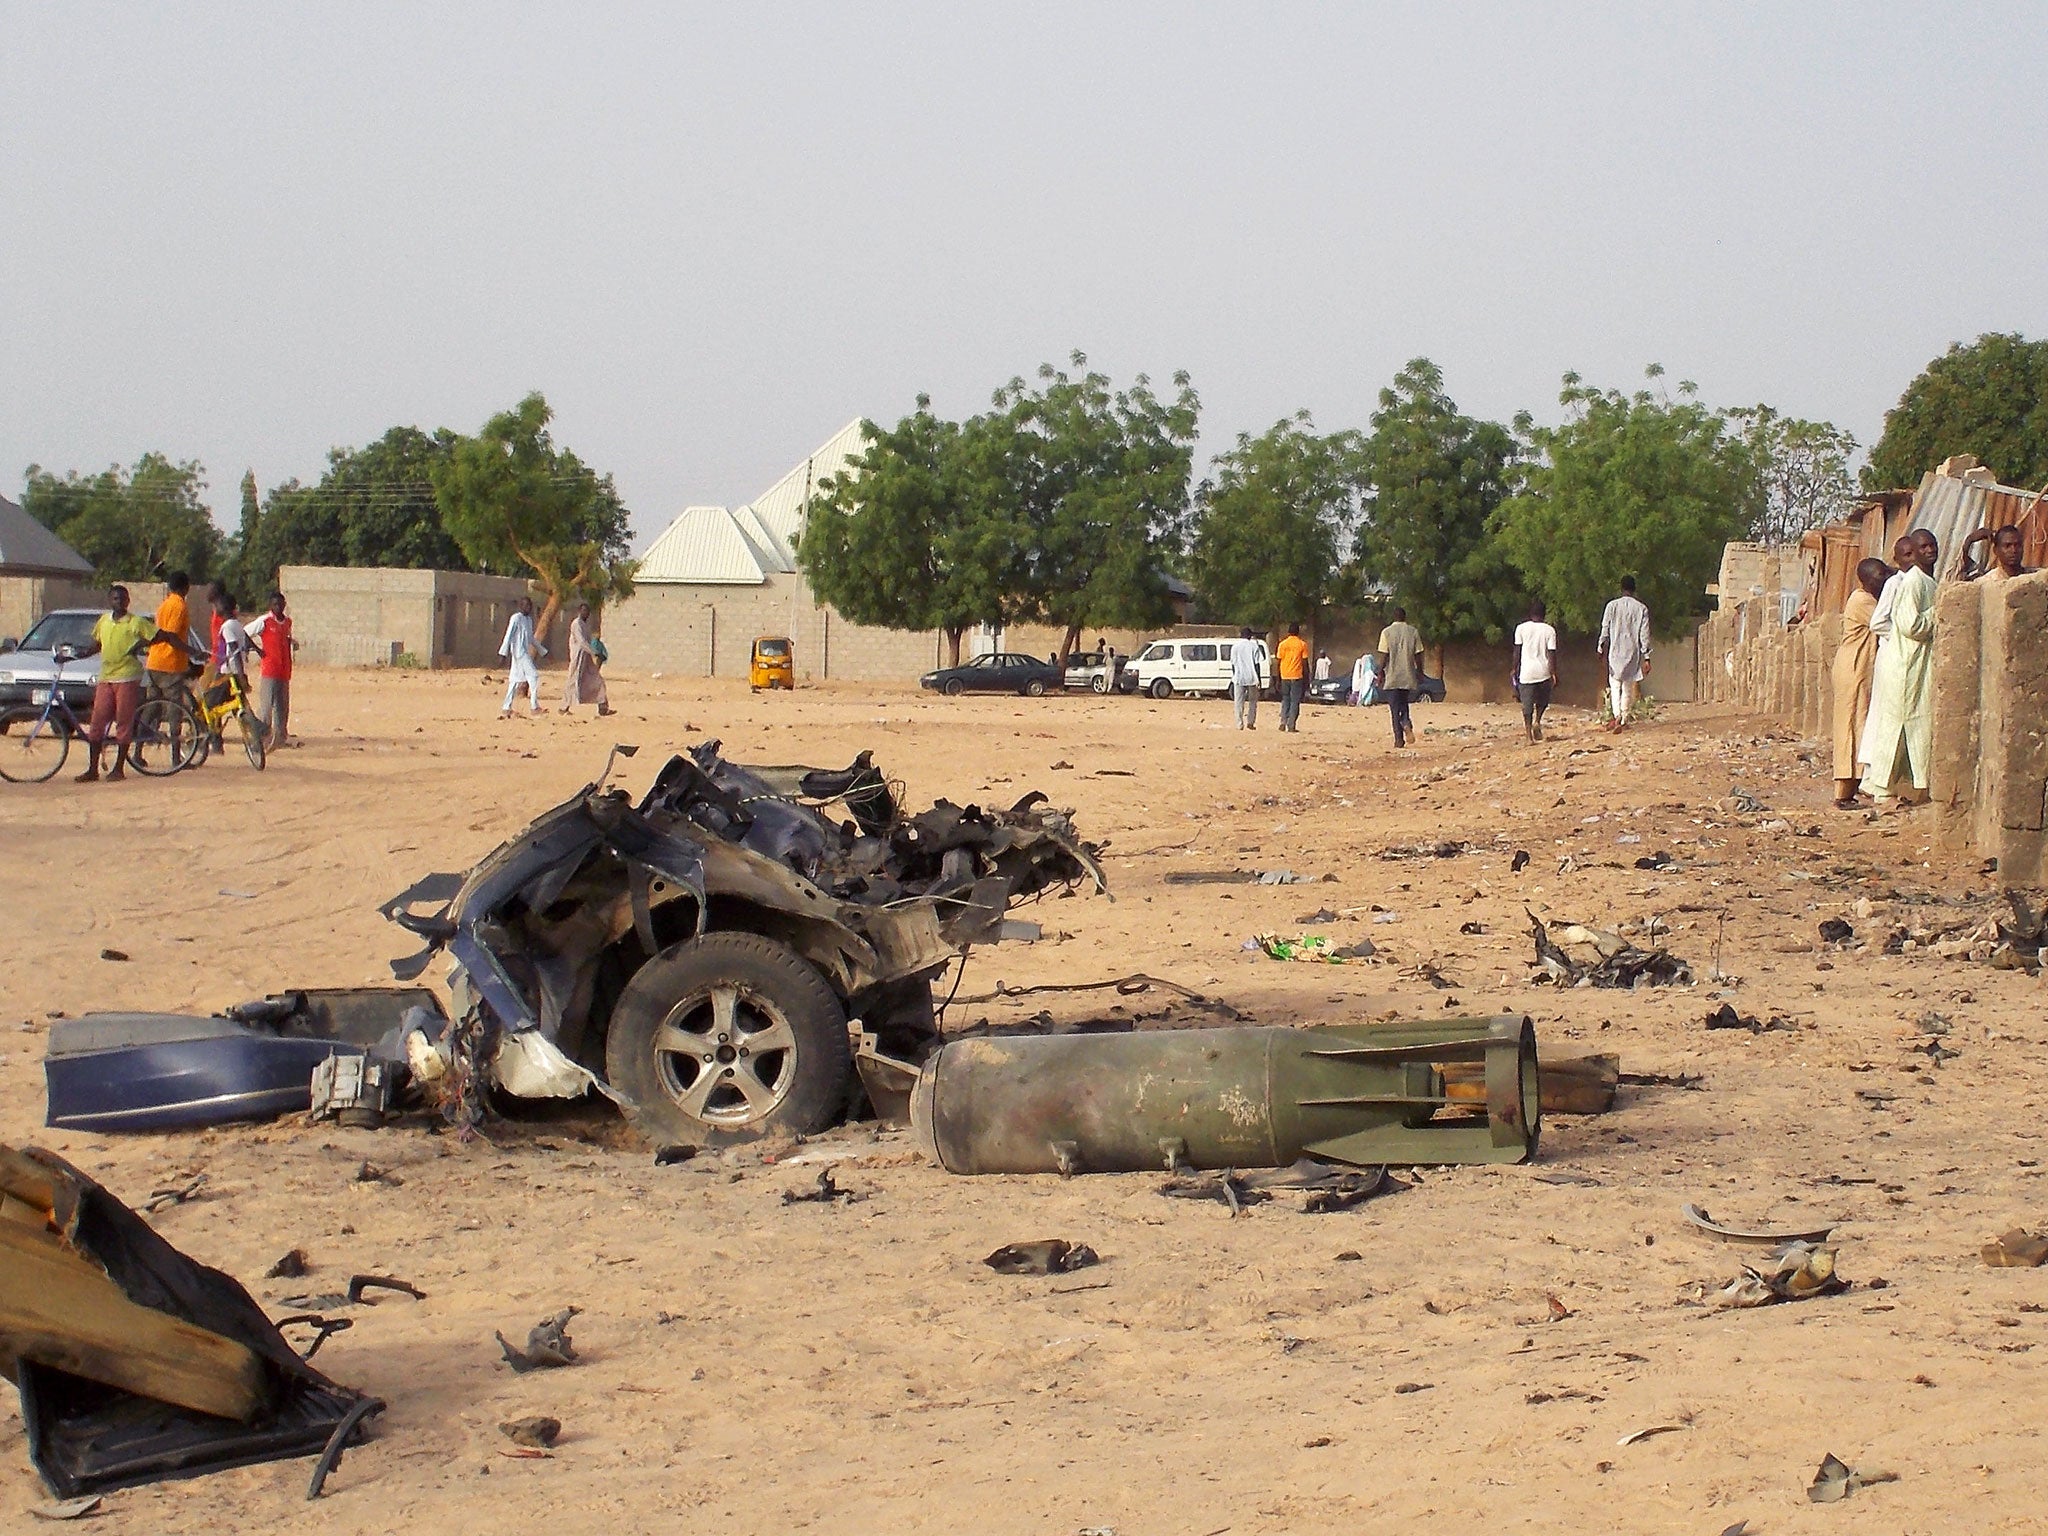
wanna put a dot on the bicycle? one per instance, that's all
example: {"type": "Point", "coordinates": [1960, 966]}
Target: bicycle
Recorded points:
{"type": "Point", "coordinates": [203, 720]}
{"type": "Point", "coordinates": [38, 754]}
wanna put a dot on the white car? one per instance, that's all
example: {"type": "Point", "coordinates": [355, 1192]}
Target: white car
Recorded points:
{"type": "Point", "coordinates": [1167, 667]}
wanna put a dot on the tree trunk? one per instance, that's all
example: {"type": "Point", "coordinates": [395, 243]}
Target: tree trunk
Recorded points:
{"type": "Point", "coordinates": [953, 644]}
{"type": "Point", "coordinates": [1067, 645]}
{"type": "Point", "coordinates": [543, 620]}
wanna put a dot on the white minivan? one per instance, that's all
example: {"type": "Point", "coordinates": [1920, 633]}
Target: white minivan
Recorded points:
{"type": "Point", "coordinates": [1167, 667]}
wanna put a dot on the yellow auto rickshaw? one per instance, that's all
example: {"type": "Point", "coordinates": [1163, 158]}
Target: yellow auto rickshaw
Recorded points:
{"type": "Point", "coordinates": [773, 664]}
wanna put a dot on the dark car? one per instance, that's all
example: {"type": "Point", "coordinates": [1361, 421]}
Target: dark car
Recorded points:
{"type": "Point", "coordinates": [1003, 672]}
{"type": "Point", "coordinates": [1337, 690]}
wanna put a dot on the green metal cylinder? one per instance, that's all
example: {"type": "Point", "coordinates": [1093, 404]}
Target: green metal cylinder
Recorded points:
{"type": "Point", "coordinates": [1225, 1098]}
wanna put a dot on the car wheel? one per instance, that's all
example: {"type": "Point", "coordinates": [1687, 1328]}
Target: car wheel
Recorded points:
{"type": "Point", "coordinates": [726, 1038]}
{"type": "Point", "coordinates": [1161, 688]}
{"type": "Point", "coordinates": [1035, 689]}
{"type": "Point", "coordinates": [954, 688]}
{"type": "Point", "coordinates": [1100, 685]}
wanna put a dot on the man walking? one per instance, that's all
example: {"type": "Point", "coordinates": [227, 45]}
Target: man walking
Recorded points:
{"type": "Point", "coordinates": [1625, 642]}
{"type": "Point", "coordinates": [1244, 679]}
{"type": "Point", "coordinates": [1535, 668]}
{"type": "Point", "coordinates": [522, 657]}
{"type": "Point", "coordinates": [585, 684]}
{"type": "Point", "coordinates": [273, 636]}
{"type": "Point", "coordinates": [1293, 659]}
{"type": "Point", "coordinates": [1901, 723]}
{"type": "Point", "coordinates": [118, 639]}
{"type": "Point", "coordinates": [1400, 651]}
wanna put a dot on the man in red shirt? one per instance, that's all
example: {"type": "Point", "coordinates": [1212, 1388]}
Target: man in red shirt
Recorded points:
{"type": "Point", "coordinates": [273, 636]}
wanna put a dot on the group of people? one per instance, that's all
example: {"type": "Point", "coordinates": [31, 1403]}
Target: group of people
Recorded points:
{"type": "Point", "coordinates": [1883, 667]}
{"type": "Point", "coordinates": [158, 656]}
{"type": "Point", "coordinates": [1393, 673]}
{"type": "Point", "coordinates": [523, 650]}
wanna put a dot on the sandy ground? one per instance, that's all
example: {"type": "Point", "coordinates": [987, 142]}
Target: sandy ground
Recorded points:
{"type": "Point", "coordinates": [755, 1366]}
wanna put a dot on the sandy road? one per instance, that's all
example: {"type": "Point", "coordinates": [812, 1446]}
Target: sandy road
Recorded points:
{"type": "Point", "coordinates": [751, 1366]}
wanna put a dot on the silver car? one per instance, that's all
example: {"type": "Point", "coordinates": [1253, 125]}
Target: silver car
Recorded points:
{"type": "Point", "coordinates": [28, 668]}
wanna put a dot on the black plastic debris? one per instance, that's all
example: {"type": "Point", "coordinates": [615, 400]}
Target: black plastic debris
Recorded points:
{"type": "Point", "coordinates": [1047, 1256]}
{"type": "Point", "coordinates": [1725, 1017]}
{"type": "Point", "coordinates": [1835, 931]}
{"type": "Point", "coordinates": [823, 1192]}
{"type": "Point", "coordinates": [1519, 862]}
{"type": "Point", "coordinates": [1660, 861]}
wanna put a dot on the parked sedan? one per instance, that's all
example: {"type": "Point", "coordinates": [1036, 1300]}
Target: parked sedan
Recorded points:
{"type": "Point", "coordinates": [1003, 672]}
{"type": "Point", "coordinates": [28, 670]}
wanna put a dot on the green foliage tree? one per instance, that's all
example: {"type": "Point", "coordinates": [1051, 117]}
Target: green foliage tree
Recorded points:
{"type": "Point", "coordinates": [1803, 469]}
{"type": "Point", "coordinates": [513, 502]}
{"type": "Point", "coordinates": [914, 535]}
{"type": "Point", "coordinates": [1273, 520]}
{"type": "Point", "coordinates": [134, 525]}
{"type": "Point", "coordinates": [1098, 479]}
{"type": "Point", "coordinates": [1629, 484]}
{"type": "Point", "coordinates": [1437, 477]}
{"type": "Point", "coordinates": [1989, 398]}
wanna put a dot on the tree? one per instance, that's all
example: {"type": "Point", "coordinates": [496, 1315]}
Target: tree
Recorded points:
{"type": "Point", "coordinates": [1803, 467]}
{"type": "Point", "coordinates": [914, 535]}
{"type": "Point", "coordinates": [137, 525]}
{"type": "Point", "coordinates": [1272, 520]}
{"type": "Point", "coordinates": [1099, 481]}
{"type": "Point", "coordinates": [1629, 484]}
{"type": "Point", "coordinates": [1989, 398]}
{"type": "Point", "coordinates": [1437, 477]}
{"type": "Point", "coordinates": [512, 501]}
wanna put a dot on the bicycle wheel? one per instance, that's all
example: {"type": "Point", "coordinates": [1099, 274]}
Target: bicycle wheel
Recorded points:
{"type": "Point", "coordinates": [32, 749]}
{"type": "Point", "coordinates": [167, 737]}
{"type": "Point", "coordinates": [252, 739]}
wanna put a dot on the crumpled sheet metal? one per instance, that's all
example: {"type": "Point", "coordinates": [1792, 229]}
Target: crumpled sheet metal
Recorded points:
{"type": "Point", "coordinates": [1605, 959]}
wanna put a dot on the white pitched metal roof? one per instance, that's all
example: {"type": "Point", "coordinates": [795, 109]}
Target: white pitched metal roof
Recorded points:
{"type": "Point", "coordinates": [27, 547]}
{"type": "Point", "coordinates": [703, 544]}
{"type": "Point", "coordinates": [707, 543]}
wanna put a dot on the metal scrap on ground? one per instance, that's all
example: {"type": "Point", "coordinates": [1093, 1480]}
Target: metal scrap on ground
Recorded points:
{"type": "Point", "coordinates": [1605, 959]}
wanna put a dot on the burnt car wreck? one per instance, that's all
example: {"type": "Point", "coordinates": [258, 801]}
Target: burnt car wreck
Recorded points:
{"type": "Point", "coordinates": [720, 956]}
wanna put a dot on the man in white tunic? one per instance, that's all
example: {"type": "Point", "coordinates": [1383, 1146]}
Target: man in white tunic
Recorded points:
{"type": "Point", "coordinates": [1244, 680]}
{"type": "Point", "coordinates": [1625, 642]}
{"type": "Point", "coordinates": [522, 658]}
{"type": "Point", "coordinates": [1901, 721]}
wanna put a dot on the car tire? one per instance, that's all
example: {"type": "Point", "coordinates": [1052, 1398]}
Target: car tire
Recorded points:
{"type": "Point", "coordinates": [953, 688]}
{"type": "Point", "coordinates": [1035, 689]}
{"type": "Point", "coordinates": [1100, 685]}
{"type": "Point", "coordinates": [710, 996]}
{"type": "Point", "coordinates": [1161, 688]}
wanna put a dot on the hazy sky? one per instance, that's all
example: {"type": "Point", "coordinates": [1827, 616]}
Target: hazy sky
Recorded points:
{"type": "Point", "coordinates": [713, 235]}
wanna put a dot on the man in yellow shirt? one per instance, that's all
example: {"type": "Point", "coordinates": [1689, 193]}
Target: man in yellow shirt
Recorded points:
{"type": "Point", "coordinates": [170, 656]}
{"type": "Point", "coordinates": [1293, 659]}
{"type": "Point", "coordinates": [118, 639]}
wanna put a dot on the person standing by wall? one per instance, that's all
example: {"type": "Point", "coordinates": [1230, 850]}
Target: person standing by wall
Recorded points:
{"type": "Point", "coordinates": [1625, 642]}
{"type": "Point", "coordinates": [1535, 668]}
{"type": "Point", "coordinates": [522, 659]}
{"type": "Point", "coordinates": [1323, 666]}
{"type": "Point", "coordinates": [1898, 738]}
{"type": "Point", "coordinates": [168, 664]}
{"type": "Point", "coordinates": [586, 681]}
{"type": "Point", "coordinates": [1293, 659]}
{"type": "Point", "coordinates": [118, 639]}
{"type": "Point", "coordinates": [273, 636]}
{"type": "Point", "coordinates": [1400, 651]}
{"type": "Point", "coordinates": [2008, 547]}
{"type": "Point", "coordinates": [1244, 679]}
{"type": "Point", "coordinates": [1855, 661]}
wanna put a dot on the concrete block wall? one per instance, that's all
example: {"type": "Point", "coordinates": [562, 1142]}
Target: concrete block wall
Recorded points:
{"type": "Point", "coordinates": [24, 599]}
{"type": "Point", "coordinates": [351, 616]}
{"type": "Point", "coordinates": [701, 629]}
{"type": "Point", "coordinates": [1989, 776]}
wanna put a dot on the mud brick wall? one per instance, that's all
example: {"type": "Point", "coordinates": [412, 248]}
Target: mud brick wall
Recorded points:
{"type": "Point", "coordinates": [1748, 658]}
{"type": "Point", "coordinates": [24, 599]}
{"type": "Point", "coordinates": [700, 629]}
{"type": "Point", "coordinates": [1990, 771]}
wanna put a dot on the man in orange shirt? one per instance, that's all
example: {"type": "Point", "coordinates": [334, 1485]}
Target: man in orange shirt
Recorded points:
{"type": "Point", "coordinates": [168, 657]}
{"type": "Point", "coordinates": [1293, 659]}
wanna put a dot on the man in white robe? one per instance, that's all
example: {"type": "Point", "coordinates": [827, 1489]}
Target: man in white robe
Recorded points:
{"type": "Point", "coordinates": [1898, 737]}
{"type": "Point", "coordinates": [1625, 642]}
{"type": "Point", "coordinates": [522, 658]}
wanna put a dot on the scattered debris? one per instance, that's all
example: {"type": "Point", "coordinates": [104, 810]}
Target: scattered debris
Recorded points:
{"type": "Point", "coordinates": [1124, 986]}
{"type": "Point", "coordinates": [134, 1363]}
{"type": "Point", "coordinates": [1614, 961]}
{"type": "Point", "coordinates": [2017, 1249]}
{"type": "Point", "coordinates": [113, 954]}
{"type": "Point", "coordinates": [66, 1509]}
{"type": "Point", "coordinates": [369, 1173]}
{"type": "Point", "coordinates": [823, 1192]}
{"type": "Point", "coordinates": [1755, 1238]}
{"type": "Point", "coordinates": [1744, 803]}
{"type": "Point", "coordinates": [1402, 1389]}
{"type": "Point", "coordinates": [1660, 861]}
{"type": "Point", "coordinates": [1475, 927]}
{"type": "Point", "coordinates": [1835, 931]}
{"type": "Point", "coordinates": [1047, 1256]}
{"type": "Point", "coordinates": [547, 1344]}
{"type": "Point", "coordinates": [1797, 1272]}
{"type": "Point", "coordinates": [1636, 1436]}
{"type": "Point", "coordinates": [537, 1431]}
{"type": "Point", "coordinates": [1725, 1017]}
{"type": "Point", "coordinates": [1326, 1188]}
{"type": "Point", "coordinates": [668, 1157]}
{"type": "Point", "coordinates": [176, 1194]}
{"type": "Point", "coordinates": [1519, 862]}
{"type": "Point", "coordinates": [1247, 1097]}
{"type": "Point", "coordinates": [290, 1267]}
{"type": "Point", "coordinates": [1691, 1080]}
{"type": "Point", "coordinates": [1289, 877]}
{"type": "Point", "coordinates": [1443, 850]}
{"type": "Point", "coordinates": [1212, 877]}
{"type": "Point", "coordinates": [1320, 915]}
{"type": "Point", "coordinates": [1836, 1480]}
